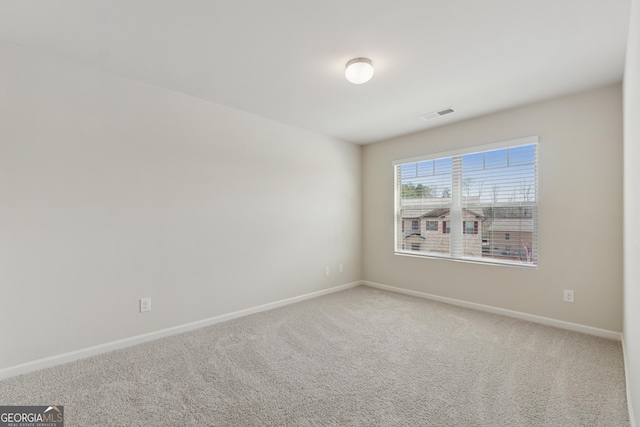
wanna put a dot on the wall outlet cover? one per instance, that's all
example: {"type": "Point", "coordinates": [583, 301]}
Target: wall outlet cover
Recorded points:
{"type": "Point", "coordinates": [568, 295]}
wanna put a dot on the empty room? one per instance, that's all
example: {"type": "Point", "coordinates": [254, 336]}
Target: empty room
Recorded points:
{"type": "Point", "coordinates": [319, 213]}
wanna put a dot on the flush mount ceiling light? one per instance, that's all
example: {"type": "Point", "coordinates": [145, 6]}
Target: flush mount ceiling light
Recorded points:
{"type": "Point", "coordinates": [359, 70]}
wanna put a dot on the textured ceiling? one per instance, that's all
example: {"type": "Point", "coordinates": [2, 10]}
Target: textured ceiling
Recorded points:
{"type": "Point", "coordinates": [284, 59]}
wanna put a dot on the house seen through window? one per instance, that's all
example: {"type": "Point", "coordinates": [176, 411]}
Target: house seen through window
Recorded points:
{"type": "Point", "coordinates": [478, 204]}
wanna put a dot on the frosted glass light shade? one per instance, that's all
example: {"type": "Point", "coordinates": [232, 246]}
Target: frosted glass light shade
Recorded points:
{"type": "Point", "coordinates": [359, 70]}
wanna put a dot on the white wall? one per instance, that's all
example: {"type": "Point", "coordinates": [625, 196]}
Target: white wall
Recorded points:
{"type": "Point", "coordinates": [113, 190]}
{"type": "Point", "coordinates": [632, 209]}
{"type": "Point", "coordinates": [580, 212]}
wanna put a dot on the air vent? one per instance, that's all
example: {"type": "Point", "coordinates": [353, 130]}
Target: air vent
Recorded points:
{"type": "Point", "coordinates": [435, 114]}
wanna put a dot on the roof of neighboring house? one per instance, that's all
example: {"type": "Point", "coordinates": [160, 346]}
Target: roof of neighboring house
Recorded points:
{"type": "Point", "coordinates": [411, 214]}
{"type": "Point", "coordinates": [440, 212]}
{"type": "Point", "coordinates": [415, 235]}
{"type": "Point", "coordinates": [436, 213]}
{"type": "Point", "coordinates": [408, 214]}
{"type": "Point", "coordinates": [512, 225]}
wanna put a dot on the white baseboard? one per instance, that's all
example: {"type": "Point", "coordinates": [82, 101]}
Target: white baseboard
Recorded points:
{"type": "Point", "coordinates": [127, 342]}
{"type": "Point", "coordinates": [604, 333]}
{"type": "Point", "coordinates": [139, 339]}
{"type": "Point", "coordinates": [632, 418]}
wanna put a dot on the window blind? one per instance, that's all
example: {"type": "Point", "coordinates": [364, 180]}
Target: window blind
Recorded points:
{"type": "Point", "coordinates": [477, 204]}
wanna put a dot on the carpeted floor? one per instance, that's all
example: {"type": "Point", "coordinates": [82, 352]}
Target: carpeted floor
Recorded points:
{"type": "Point", "coordinates": [361, 357]}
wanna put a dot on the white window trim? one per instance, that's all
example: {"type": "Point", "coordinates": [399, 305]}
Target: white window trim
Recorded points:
{"type": "Point", "coordinates": [527, 140]}
{"type": "Point", "coordinates": [512, 143]}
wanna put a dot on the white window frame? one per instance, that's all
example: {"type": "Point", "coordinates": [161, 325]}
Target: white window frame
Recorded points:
{"type": "Point", "coordinates": [456, 222]}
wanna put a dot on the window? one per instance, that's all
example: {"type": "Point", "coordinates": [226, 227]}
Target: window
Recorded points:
{"type": "Point", "coordinates": [482, 196]}
{"type": "Point", "coordinates": [415, 224]}
{"type": "Point", "coordinates": [470, 227]}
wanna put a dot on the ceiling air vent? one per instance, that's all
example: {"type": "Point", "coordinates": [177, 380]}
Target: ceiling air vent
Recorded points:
{"type": "Point", "coordinates": [435, 114]}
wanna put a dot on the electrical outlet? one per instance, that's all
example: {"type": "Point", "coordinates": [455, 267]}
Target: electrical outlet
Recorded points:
{"type": "Point", "coordinates": [326, 271]}
{"type": "Point", "coordinates": [568, 295]}
{"type": "Point", "coordinates": [145, 304]}
{"type": "Point", "coordinates": [341, 268]}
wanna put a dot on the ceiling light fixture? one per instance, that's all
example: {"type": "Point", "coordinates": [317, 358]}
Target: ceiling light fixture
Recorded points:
{"type": "Point", "coordinates": [359, 70]}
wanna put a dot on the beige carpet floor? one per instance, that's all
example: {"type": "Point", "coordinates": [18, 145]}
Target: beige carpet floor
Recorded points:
{"type": "Point", "coordinates": [361, 357]}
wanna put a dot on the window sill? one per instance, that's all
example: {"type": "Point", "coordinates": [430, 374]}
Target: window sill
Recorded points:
{"type": "Point", "coordinates": [481, 261]}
